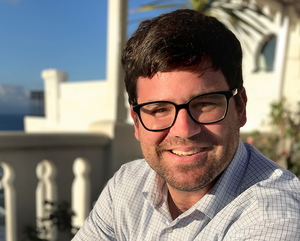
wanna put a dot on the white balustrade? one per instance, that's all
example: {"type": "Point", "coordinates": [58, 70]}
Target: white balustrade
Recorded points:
{"type": "Point", "coordinates": [81, 191]}
{"type": "Point", "coordinates": [71, 167]}
{"type": "Point", "coordinates": [46, 191]}
{"type": "Point", "coordinates": [10, 201]}
{"type": "Point", "coordinates": [51, 167]}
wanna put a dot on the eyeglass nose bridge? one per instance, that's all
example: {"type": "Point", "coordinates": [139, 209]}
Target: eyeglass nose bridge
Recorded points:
{"type": "Point", "coordinates": [183, 106]}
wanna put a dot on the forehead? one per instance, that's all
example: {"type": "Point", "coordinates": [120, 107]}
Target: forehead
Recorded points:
{"type": "Point", "coordinates": [179, 86]}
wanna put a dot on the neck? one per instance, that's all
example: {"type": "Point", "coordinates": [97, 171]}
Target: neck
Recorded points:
{"type": "Point", "coordinates": [181, 201]}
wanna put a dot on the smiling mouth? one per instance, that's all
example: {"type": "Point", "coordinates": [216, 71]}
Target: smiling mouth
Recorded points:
{"type": "Point", "coordinates": [186, 153]}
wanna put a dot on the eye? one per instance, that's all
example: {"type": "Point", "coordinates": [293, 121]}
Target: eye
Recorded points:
{"type": "Point", "coordinates": [161, 110]}
{"type": "Point", "coordinates": [207, 103]}
{"type": "Point", "coordinates": [203, 105]}
{"type": "Point", "coordinates": [157, 109]}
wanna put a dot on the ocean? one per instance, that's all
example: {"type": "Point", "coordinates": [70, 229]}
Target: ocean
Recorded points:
{"type": "Point", "coordinates": [11, 122]}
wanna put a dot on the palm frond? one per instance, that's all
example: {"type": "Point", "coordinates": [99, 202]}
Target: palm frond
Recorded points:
{"type": "Point", "coordinates": [241, 17]}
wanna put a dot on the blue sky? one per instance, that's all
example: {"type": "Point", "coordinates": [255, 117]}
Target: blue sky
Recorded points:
{"type": "Point", "coordinates": [39, 34]}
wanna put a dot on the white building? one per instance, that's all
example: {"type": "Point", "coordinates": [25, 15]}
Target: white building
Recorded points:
{"type": "Point", "coordinates": [96, 106]}
{"type": "Point", "coordinates": [267, 80]}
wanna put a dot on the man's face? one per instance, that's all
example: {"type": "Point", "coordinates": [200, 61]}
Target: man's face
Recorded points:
{"type": "Point", "coordinates": [189, 156]}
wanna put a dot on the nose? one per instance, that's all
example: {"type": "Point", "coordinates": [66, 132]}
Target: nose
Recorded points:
{"type": "Point", "coordinates": [184, 126]}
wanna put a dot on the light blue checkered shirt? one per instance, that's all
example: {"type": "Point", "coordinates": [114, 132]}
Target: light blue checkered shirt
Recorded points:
{"type": "Point", "coordinates": [254, 199]}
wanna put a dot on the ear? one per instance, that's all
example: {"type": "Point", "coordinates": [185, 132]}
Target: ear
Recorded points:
{"type": "Point", "coordinates": [136, 123]}
{"type": "Point", "coordinates": [242, 107]}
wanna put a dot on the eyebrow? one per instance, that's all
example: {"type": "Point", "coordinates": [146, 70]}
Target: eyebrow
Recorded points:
{"type": "Point", "coordinates": [156, 103]}
{"type": "Point", "coordinates": [191, 97]}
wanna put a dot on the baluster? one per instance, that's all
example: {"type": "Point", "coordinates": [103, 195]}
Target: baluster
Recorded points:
{"type": "Point", "coordinates": [46, 191]}
{"type": "Point", "coordinates": [9, 202]}
{"type": "Point", "coordinates": [81, 191]}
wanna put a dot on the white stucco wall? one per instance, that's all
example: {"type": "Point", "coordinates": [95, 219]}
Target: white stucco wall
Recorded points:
{"type": "Point", "coordinates": [82, 103]}
{"type": "Point", "coordinates": [291, 88]}
{"type": "Point", "coordinates": [262, 87]}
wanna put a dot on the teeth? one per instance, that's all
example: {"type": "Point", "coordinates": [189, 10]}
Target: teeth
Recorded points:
{"type": "Point", "coordinates": [185, 153]}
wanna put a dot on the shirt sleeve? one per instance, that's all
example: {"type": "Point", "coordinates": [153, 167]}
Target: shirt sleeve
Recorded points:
{"type": "Point", "coordinates": [271, 230]}
{"type": "Point", "coordinates": [99, 224]}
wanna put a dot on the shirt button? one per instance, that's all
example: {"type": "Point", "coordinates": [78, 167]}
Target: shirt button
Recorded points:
{"type": "Point", "coordinates": [169, 230]}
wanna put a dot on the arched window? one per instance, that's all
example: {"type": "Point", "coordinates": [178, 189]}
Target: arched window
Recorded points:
{"type": "Point", "coordinates": [266, 55]}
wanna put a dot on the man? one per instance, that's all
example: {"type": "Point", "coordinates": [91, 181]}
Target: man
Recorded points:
{"type": "Point", "coordinates": [198, 181]}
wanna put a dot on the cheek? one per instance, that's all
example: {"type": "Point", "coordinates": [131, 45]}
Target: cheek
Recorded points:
{"type": "Point", "coordinates": [214, 133]}
{"type": "Point", "coordinates": [231, 121]}
{"type": "Point", "coordinates": [151, 139]}
{"type": "Point", "coordinates": [225, 131]}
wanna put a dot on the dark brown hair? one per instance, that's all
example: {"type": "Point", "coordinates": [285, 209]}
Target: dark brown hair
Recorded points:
{"type": "Point", "coordinates": [179, 41]}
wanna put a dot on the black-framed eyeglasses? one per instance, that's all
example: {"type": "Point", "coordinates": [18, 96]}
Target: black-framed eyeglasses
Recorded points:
{"type": "Point", "coordinates": [206, 109]}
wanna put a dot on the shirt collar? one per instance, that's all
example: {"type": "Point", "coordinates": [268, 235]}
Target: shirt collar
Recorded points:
{"type": "Point", "coordinates": [154, 188]}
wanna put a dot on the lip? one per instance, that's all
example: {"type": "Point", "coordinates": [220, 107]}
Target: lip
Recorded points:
{"type": "Point", "coordinates": [185, 155]}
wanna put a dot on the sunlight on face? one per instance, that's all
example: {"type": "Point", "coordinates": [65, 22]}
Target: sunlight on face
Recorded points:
{"type": "Point", "coordinates": [189, 156]}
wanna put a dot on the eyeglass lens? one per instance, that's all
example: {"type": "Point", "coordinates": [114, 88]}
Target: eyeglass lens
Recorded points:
{"type": "Point", "coordinates": [204, 109]}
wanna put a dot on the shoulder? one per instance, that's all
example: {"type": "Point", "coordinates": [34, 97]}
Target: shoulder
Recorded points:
{"type": "Point", "coordinates": [124, 187]}
{"type": "Point", "coordinates": [268, 202]}
{"type": "Point", "coordinates": [130, 178]}
{"type": "Point", "coordinates": [137, 169]}
{"type": "Point", "coordinates": [275, 189]}
{"type": "Point", "coordinates": [263, 171]}
{"type": "Point", "coordinates": [108, 212]}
